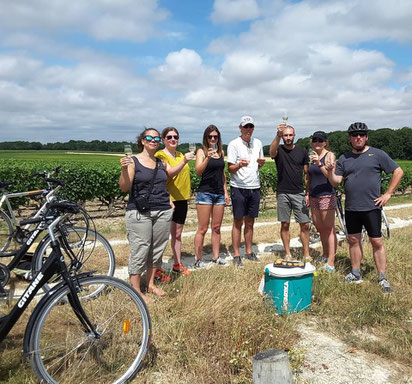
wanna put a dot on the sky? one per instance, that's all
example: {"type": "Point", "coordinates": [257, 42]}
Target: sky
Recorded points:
{"type": "Point", "coordinates": [105, 69]}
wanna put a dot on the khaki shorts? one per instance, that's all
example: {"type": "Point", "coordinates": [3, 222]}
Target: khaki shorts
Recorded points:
{"type": "Point", "coordinates": [292, 201]}
{"type": "Point", "coordinates": [148, 234]}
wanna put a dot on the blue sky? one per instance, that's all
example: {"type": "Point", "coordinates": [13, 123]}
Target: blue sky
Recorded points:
{"type": "Point", "coordinates": [105, 69]}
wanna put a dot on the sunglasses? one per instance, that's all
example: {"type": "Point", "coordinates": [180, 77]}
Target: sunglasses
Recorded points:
{"type": "Point", "coordinates": [170, 137]}
{"type": "Point", "coordinates": [156, 139]}
{"type": "Point", "coordinates": [318, 141]}
{"type": "Point", "coordinates": [250, 126]}
{"type": "Point", "coordinates": [213, 137]}
{"type": "Point", "coordinates": [356, 134]}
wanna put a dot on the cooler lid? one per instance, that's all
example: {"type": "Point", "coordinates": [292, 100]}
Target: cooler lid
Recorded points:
{"type": "Point", "coordinates": [288, 272]}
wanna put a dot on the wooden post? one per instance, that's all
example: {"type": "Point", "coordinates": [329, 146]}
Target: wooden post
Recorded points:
{"type": "Point", "coordinates": [272, 367]}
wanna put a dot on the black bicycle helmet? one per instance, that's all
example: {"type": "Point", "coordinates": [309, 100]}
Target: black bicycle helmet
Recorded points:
{"type": "Point", "coordinates": [358, 127]}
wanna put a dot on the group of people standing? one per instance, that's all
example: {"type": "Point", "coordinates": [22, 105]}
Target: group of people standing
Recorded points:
{"type": "Point", "coordinates": [159, 186]}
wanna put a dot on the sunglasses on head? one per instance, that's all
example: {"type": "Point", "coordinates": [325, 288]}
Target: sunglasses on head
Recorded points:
{"type": "Point", "coordinates": [170, 137]}
{"type": "Point", "coordinates": [356, 134]}
{"type": "Point", "coordinates": [318, 140]}
{"type": "Point", "coordinates": [156, 139]}
{"type": "Point", "coordinates": [213, 137]}
{"type": "Point", "coordinates": [250, 126]}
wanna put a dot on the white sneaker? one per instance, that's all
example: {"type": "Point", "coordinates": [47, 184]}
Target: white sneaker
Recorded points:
{"type": "Point", "coordinates": [199, 264]}
{"type": "Point", "coordinates": [221, 262]}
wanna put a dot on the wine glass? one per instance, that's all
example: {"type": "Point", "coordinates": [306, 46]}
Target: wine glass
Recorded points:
{"type": "Point", "coordinates": [285, 117]}
{"type": "Point", "coordinates": [213, 146]}
{"type": "Point", "coordinates": [192, 147]}
{"type": "Point", "coordinates": [128, 150]}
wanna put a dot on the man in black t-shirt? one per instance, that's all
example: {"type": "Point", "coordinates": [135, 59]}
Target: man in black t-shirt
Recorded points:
{"type": "Point", "coordinates": [291, 163]}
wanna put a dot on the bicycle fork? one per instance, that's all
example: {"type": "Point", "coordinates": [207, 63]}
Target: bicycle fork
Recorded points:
{"type": "Point", "coordinates": [72, 296]}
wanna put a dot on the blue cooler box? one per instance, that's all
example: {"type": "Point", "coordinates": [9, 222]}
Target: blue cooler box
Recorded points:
{"type": "Point", "coordinates": [290, 289]}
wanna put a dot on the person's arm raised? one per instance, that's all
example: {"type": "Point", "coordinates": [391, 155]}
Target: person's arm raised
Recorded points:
{"type": "Point", "coordinates": [127, 174]}
{"type": "Point", "coordinates": [273, 151]}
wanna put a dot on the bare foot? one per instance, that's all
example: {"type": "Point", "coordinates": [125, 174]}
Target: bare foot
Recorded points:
{"type": "Point", "coordinates": [157, 291]}
{"type": "Point", "coordinates": [146, 299]}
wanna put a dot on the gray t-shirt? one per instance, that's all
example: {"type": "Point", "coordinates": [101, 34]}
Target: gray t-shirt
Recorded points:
{"type": "Point", "coordinates": [362, 177]}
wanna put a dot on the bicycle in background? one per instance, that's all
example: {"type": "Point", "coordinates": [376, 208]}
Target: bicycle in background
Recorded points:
{"type": "Point", "coordinates": [340, 224]}
{"type": "Point", "coordinates": [11, 230]}
{"type": "Point", "coordinates": [86, 249]}
{"type": "Point", "coordinates": [73, 336]}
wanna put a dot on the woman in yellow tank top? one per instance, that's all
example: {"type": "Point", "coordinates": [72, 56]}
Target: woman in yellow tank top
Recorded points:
{"type": "Point", "coordinates": [180, 191]}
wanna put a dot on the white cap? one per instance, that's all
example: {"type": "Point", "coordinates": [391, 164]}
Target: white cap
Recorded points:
{"type": "Point", "coordinates": [246, 120]}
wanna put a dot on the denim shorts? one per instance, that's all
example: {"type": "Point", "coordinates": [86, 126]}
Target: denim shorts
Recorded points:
{"type": "Point", "coordinates": [207, 198]}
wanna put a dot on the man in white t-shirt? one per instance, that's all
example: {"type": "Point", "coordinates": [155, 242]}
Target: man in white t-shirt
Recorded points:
{"type": "Point", "coordinates": [244, 157]}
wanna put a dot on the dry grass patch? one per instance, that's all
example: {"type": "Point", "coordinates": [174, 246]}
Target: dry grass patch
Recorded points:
{"type": "Point", "coordinates": [351, 310]}
{"type": "Point", "coordinates": [211, 325]}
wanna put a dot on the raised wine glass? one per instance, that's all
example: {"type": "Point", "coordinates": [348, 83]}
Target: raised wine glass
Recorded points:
{"type": "Point", "coordinates": [192, 147]}
{"type": "Point", "coordinates": [285, 117]}
{"type": "Point", "coordinates": [128, 150]}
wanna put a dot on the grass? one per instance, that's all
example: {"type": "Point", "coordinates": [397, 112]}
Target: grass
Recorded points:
{"type": "Point", "coordinates": [211, 323]}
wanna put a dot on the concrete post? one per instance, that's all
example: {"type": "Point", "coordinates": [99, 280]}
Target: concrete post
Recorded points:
{"type": "Point", "coordinates": [272, 367]}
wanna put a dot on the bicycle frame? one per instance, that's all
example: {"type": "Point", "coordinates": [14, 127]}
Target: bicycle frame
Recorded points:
{"type": "Point", "coordinates": [18, 255]}
{"type": "Point", "coordinates": [49, 194]}
{"type": "Point", "coordinates": [54, 264]}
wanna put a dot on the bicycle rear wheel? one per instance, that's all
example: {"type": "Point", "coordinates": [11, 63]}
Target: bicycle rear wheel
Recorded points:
{"type": "Point", "coordinates": [62, 352]}
{"type": "Point", "coordinates": [93, 253]}
{"type": "Point", "coordinates": [6, 231]}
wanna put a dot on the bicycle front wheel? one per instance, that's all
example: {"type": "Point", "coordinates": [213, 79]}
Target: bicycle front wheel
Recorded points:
{"type": "Point", "coordinates": [62, 352]}
{"type": "Point", "coordinates": [93, 253]}
{"type": "Point", "coordinates": [6, 231]}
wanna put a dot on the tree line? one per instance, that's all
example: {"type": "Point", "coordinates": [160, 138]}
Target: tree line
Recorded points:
{"type": "Point", "coordinates": [396, 143]}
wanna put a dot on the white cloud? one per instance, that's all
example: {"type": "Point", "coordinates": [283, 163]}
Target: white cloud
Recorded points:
{"type": "Point", "coordinates": [183, 70]}
{"type": "Point", "coordinates": [312, 57]}
{"type": "Point", "coordinates": [133, 20]}
{"type": "Point", "coordinates": [232, 11]}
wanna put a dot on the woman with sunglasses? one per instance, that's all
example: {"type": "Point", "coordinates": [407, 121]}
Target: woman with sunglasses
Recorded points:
{"type": "Point", "coordinates": [147, 231]}
{"type": "Point", "coordinates": [179, 189]}
{"type": "Point", "coordinates": [322, 198]}
{"type": "Point", "coordinates": [212, 195]}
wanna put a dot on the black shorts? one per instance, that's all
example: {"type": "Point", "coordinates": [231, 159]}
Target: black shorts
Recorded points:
{"type": "Point", "coordinates": [180, 212]}
{"type": "Point", "coordinates": [245, 202]}
{"type": "Point", "coordinates": [371, 220]}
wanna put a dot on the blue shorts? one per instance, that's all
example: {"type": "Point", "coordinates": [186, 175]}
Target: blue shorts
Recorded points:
{"type": "Point", "coordinates": [207, 198]}
{"type": "Point", "coordinates": [245, 202]}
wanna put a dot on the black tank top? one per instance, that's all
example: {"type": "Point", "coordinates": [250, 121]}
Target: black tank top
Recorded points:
{"type": "Point", "coordinates": [159, 197]}
{"type": "Point", "coordinates": [212, 176]}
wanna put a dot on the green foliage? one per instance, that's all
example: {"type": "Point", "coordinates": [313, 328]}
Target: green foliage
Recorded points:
{"type": "Point", "coordinates": [87, 179]}
{"type": "Point", "coordinates": [397, 143]}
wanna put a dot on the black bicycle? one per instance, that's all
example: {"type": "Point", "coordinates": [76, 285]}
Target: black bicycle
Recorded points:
{"type": "Point", "coordinates": [73, 336]}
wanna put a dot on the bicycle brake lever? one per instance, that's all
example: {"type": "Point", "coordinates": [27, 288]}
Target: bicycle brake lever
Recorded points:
{"type": "Point", "coordinates": [54, 181]}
